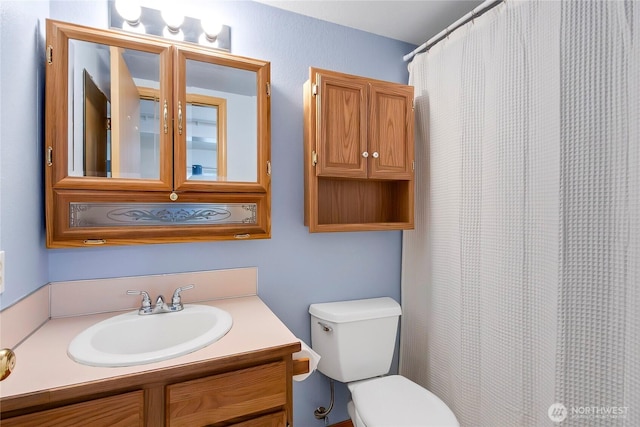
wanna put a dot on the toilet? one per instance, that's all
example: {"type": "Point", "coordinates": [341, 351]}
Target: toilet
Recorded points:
{"type": "Point", "coordinates": [355, 340]}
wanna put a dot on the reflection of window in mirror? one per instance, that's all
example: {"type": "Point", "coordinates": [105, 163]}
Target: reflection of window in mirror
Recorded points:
{"type": "Point", "coordinates": [206, 119]}
{"type": "Point", "coordinates": [206, 138]}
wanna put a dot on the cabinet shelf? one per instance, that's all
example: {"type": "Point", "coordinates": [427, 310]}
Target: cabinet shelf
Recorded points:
{"type": "Point", "coordinates": [349, 201]}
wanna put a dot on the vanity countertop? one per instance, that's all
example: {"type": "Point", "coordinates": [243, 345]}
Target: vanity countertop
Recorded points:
{"type": "Point", "coordinates": [42, 362]}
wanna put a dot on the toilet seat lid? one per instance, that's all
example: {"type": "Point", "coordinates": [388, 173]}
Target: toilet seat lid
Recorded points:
{"type": "Point", "coordinates": [395, 401]}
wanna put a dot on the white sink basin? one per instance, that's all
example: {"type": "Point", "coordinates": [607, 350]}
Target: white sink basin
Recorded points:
{"type": "Point", "coordinates": [131, 339]}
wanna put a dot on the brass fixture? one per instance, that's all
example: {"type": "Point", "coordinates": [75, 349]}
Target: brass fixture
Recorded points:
{"type": "Point", "coordinates": [7, 362]}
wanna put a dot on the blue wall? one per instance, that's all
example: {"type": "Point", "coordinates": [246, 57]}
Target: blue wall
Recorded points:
{"type": "Point", "coordinates": [21, 133]}
{"type": "Point", "coordinates": [295, 268]}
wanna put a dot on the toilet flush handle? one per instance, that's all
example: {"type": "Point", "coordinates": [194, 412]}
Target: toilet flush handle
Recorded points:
{"type": "Point", "coordinates": [325, 327]}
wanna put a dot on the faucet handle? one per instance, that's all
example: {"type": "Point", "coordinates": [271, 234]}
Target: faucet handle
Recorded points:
{"type": "Point", "coordinates": [176, 300]}
{"type": "Point", "coordinates": [146, 300]}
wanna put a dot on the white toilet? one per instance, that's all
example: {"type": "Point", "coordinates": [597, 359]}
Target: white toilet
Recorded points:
{"type": "Point", "coordinates": [355, 340]}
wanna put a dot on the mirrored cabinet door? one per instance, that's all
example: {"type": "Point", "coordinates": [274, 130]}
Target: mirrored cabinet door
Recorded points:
{"type": "Point", "coordinates": [109, 120]}
{"type": "Point", "coordinates": [220, 142]}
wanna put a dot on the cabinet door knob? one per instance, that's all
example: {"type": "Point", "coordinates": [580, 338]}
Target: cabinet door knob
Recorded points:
{"type": "Point", "coordinates": [365, 154]}
{"type": "Point", "coordinates": [375, 155]}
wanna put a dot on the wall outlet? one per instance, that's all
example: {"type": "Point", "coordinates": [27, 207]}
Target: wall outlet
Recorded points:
{"type": "Point", "coordinates": [1, 272]}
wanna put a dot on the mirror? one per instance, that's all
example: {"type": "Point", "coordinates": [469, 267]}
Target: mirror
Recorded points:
{"type": "Point", "coordinates": [117, 116]}
{"type": "Point", "coordinates": [114, 131]}
{"type": "Point", "coordinates": [221, 119]}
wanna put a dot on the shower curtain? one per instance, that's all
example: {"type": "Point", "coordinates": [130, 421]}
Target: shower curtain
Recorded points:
{"type": "Point", "coordinates": [521, 280]}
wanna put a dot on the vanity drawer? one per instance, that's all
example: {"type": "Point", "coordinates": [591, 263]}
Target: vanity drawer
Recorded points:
{"type": "Point", "coordinates": [227, 396]}
{"type": "Point", "coordinates": [124, 410]}
{"type": "Point", "coordinates": [279, 419]}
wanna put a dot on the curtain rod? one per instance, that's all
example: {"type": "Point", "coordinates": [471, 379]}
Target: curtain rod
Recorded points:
{"type": "Point", "coordinates": [484, 7]}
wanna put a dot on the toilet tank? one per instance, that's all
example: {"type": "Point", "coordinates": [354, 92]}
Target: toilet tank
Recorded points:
{"type": "Point", "coordinates": [355, 339]}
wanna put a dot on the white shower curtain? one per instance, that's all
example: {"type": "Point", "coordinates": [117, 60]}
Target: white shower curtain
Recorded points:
{"type": "Point", "coordinates": [520, 287]}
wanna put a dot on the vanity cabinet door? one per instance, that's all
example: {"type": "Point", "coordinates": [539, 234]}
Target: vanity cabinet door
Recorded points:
{"type": "Point", "coordinates": [225, 397]}
{"type": "Point", "coordinates": [125, 410]}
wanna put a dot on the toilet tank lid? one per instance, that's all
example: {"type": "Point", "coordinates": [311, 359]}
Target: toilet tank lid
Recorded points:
{"type": "Point", "coordinates": [355, 310]}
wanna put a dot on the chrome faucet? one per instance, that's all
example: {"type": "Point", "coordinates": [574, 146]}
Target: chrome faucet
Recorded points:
{"type": "Point", "coordinates": [160, 306]}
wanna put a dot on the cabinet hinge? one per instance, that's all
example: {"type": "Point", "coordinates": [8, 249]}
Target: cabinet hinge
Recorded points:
{"type": "Point", "coordinates": [268, 89]}
{"type": "Point", "coordinates": [269, 167]}
{"type": "Point", "coordinates": [314, 89]}
{"type": "Point", "coordinates": [49, 54]}
{"type": "Point", "coordinates": [314, 158]}
{"type": "Point", "coordinates": [413, 165]}
{"type": "Point", "coordinates": [108, 123]}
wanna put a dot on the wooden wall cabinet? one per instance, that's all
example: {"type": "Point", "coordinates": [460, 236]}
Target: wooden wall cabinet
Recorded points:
{"type": "Point", "coordinates": [358, 153]}
{"type": "Point", "coordinates": [148, 140]}
{"type": "Point", "coordinates": [249, 390]}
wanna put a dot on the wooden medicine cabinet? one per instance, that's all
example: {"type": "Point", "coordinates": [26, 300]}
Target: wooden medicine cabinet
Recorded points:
{"type": "Point", "coordinates": [358, 153]}
{"type": "Point", "coordinates": [150, 140]}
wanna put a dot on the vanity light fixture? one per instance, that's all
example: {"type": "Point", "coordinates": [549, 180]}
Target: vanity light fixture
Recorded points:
{"type": "Point", "coordinates": [170, 23]}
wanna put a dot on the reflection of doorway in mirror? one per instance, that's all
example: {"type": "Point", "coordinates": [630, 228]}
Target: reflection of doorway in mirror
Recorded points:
{"type": "Point", "coordinates": [206, 138]}
{"type": "Point", "coordinates": [125, 119]}
{"type": "Point", "coordinates": [95, 129]}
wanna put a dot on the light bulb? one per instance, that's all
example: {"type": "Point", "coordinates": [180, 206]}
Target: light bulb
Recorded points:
{"type": "Point", "coordinates": [172, 17]}
{"type": "Point", "coordinates": [130, 10]}
{"type": "Point", "coordinates": [212, 27]}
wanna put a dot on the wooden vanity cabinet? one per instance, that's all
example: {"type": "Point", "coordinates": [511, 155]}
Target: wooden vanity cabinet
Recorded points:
{"type": "Point", "coordinates": [253, 389]}
{"type": "Point", "coordinates": [149, 140]}
{"type": "Point", "coordinates": [121, 410]}
{"type": "Point", "coordinates": [358, 153]}
{"type": "Point", "coordinates": [233, 395]}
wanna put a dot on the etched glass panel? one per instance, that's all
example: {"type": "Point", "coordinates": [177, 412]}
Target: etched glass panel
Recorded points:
{"type": "Point", "coordinates": [87, 215]}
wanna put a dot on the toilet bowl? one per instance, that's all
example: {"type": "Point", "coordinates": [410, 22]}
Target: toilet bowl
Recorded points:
{"type": "Point", "coordinates": [395, 401]}
{"type": "Point", "coordinates": [355, 340]}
